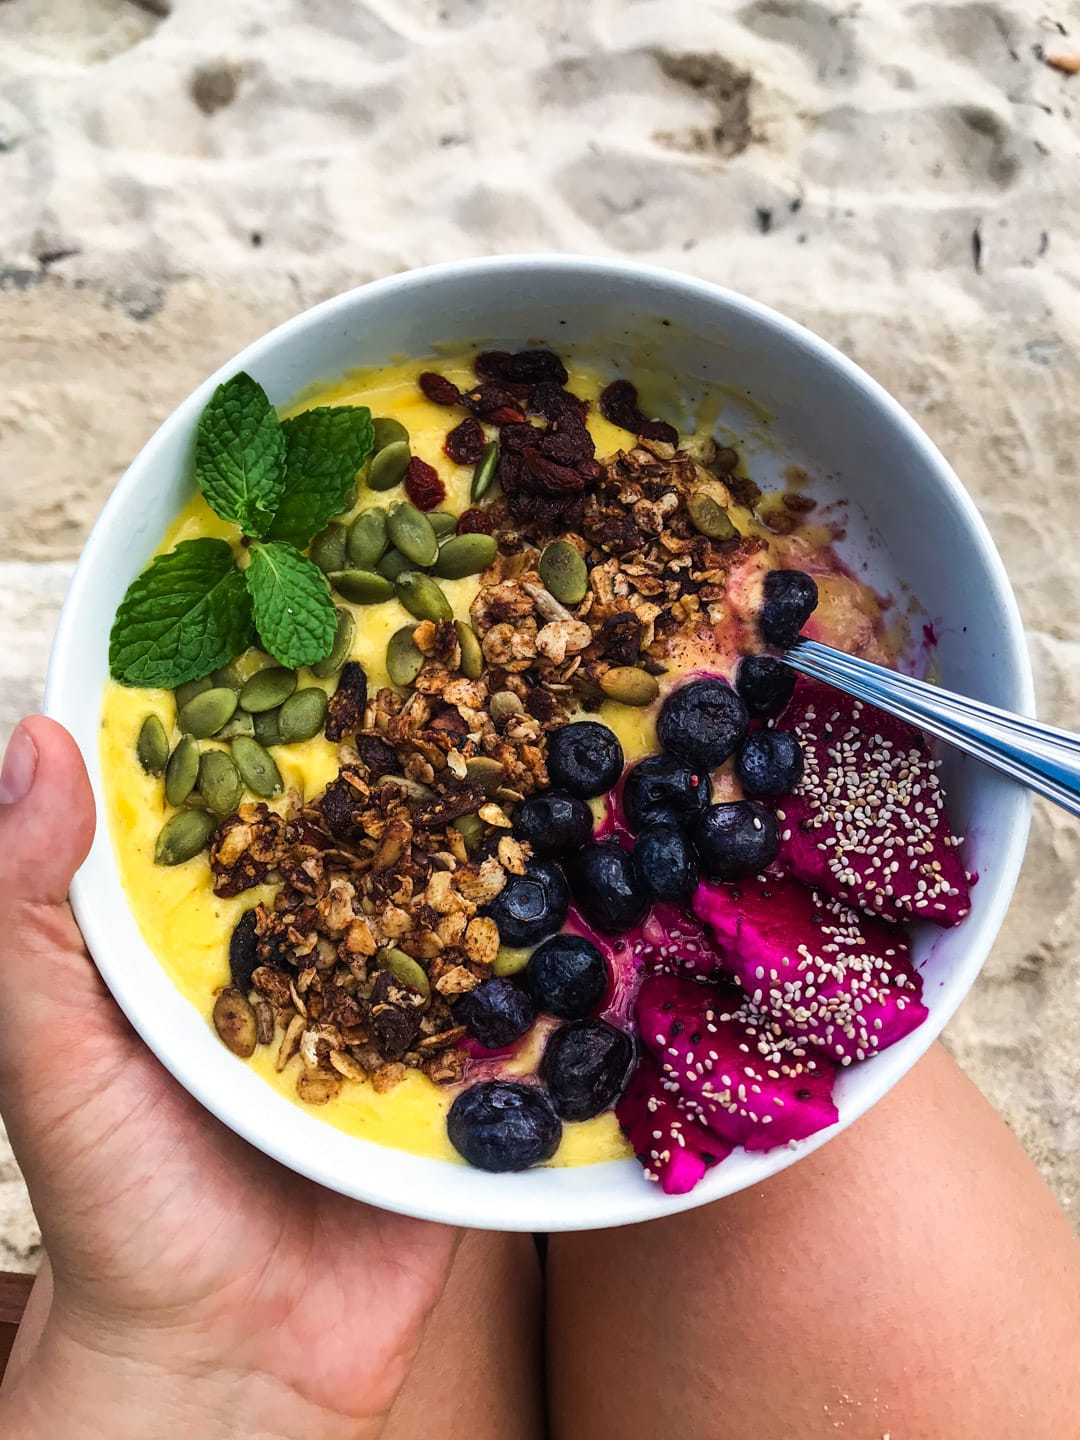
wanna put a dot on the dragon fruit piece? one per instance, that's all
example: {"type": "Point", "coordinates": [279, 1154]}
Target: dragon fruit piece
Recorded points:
{"type": "Point", "coordinates": [720, 1055]}
{"type": "Point", "coordinates": [831, 978]}
{"type": "Point", "coordinates": [867, 822]}
{"type": "Point", "coordinates": [674, 1149]}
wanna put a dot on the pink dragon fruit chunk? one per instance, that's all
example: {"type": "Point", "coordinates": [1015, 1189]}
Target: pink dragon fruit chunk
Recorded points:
{"type": "Point", "coordinates": [674, 1148]}
{"type": "Point", "coordinates": [867, 822]}
{"type": "Point", "coordinates": [833, 979]}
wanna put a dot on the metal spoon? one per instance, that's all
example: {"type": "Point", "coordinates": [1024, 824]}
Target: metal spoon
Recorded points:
{"type": "Point", "coordinates": [1041, 757]}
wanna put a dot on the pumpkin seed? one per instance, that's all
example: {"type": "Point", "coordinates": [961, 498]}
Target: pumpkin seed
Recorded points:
{"type": "Point", "coordinates": [362, 587]}
{"type": "Point", "coordinates": [510, 961]}
{"type": "Point", "coordinates": [183, 836]}
{"type": "Point", "coordinates": [392, 564]}
{"type": "Point", "coordinates": [341, 648]}
{"type": "Point", "coordinates": [503, 704]}
{"type": "Point", "coordinates": [486, 772]}
{"type": "Point", "coordinates": [268, 727]}
{"type": "Point", "coordinates": [484, 473]}
{"type": "Point", "coordinates": [404, 659]}
{"type": "Point", "coordinates": [367, 541]}
{"type": "Point", "coordinates": [388, 431]}
{"type": "Point", "coordinates": [465, 555]}
{"type": "Point", "coordinates": [182, 771]}
{"type": "Point", "coordinates": [152, 747]}
{"type": "Point", "coordinates": [442, 522]}
{"type": "Point", "coordinates": [472, 656]}
{"type": "Point", "coordinates": [220, 784]}
{"type": "Point", "coordinates": [257, 768]}
{"type": "Point", "coordinates": [404, 968]}
{"type": "Point", "coordinates": [564, 572]}
{"type": "Point", "coordinates": [411, 532]}
{"type": "Point", "coordinates": [708, 517]}
{"type": "Point", "coordinates": [205, 714]}
{"type": "Point", "coordinates": [422, 597]}
{"type": "Point", "coordinates": [328, 548]}
{"type": "Point", "coordinates": [267, 689]}
{"type": "Point", "coordinates": [472, 830]}
{"type": "Point", "coordinates": [302, 716]}
{"type": "Point", "coordinates": [234, 1021]}
{"type": "Point", "coordinates": [228, 677]}
{"type": "Point", "coordinates": [388, 466]}
{"type": "Point", "coordinates": [183, 693]}
{"type": "Point", "coordinates": [700, 448]}
{"type": "Point", "coordinates": [415, 791]}
{"type": "Point", "coordinates": [629, 685]}
{"type": "Point", "coordinates": [241, 724]}
{"type": "Point", "coordinates": [349, 499]}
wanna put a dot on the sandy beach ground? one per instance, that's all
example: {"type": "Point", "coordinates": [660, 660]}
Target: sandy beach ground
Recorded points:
{"type": "Point", "coordinates": [180, 175]}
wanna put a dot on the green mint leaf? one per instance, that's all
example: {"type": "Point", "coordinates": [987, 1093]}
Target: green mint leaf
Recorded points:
{"type": "Point", "coordinates": [294, 614]}
{"type": "Point", "coordinates": [187, 614]}
{"type": "Point", "coordinates": [324, 449]}
{"type": "Point", "coordinates": [240, 455]}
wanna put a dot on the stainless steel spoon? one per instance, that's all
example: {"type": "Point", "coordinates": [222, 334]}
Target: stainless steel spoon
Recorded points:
{"type": "Point", "coordinates": [1041, 757]}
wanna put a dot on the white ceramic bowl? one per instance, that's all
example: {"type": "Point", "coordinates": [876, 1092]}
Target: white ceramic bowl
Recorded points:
{"type": "Point", "coordinates": [910, 524]}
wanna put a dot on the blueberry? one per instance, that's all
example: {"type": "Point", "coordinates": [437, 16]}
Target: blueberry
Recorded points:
{"type": "Point", "coordinates": [770, 763]}
{"type": "Point", "coordinates": [664, 787]}
{"type": "Point", "coordinates": [532, 905]}
{"type": "Point", "coordinates": [496, 1013]}
{"type": "Point", "coordinates": [702, 722]}
{"type": "Point", "coordinates": [790, 598]}
{"type": "Point", "coordinates": [665, 862]}
{"type": "Point", "coordinates": [737, 840]}
{"type": "Point", "coordinates": [765, 684]}
{"type": "Point", "coordinates": [584, 758]}
{"type": "Point", "coordinates": [554, 823]}
{"type": "Point", "coordinates": [604, 885]}
{"type": "Point", "coordinates": [585, 1067]}
{"type": "Point", "coordinates": [567, 976]}
{"type": "Point", "coordinates": [498, 1125]}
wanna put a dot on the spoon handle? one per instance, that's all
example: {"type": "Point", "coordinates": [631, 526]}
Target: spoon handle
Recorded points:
{"type": "Point", "coordinates": [1045, 759]}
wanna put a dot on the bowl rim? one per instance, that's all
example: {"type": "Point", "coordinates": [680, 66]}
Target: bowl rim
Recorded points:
{"type": "Point", "coordinates": [604, 1208]}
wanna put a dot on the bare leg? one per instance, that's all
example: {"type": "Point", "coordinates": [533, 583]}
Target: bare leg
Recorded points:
{"type": "Point", "coordinates": [914, 1279]}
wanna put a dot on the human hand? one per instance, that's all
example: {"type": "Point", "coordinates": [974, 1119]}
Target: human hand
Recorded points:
{"type": "Point", "coordinates": [197, 1287]}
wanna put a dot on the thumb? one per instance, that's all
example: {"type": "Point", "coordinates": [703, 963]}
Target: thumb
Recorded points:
{"type": "Point", "coordinates": [46, 817]}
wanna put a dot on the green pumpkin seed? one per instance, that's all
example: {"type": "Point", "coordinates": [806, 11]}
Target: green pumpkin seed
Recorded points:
{"type": "Point", "coordinates": [328, 548]}
{"type": "Point", "coordinates": [362, 587]}
{"type": "Point", "coordinates": [257, 768]}
{"type": "Point", "coordinates": [503, 704]}
{"type": "Point", "coordinates": [268, 727]}
{"type": "Point", "coordinates": [510, 961]}
{"type": "Point", "coordinates": [152, 746]}
{"type": "Point", "coordinates": [182, 771]}
{"type": "Point", "coordinates": [404, 659]}
{"type": "Point", "coordinates": [388, 432]}
{"type": "Point", "coordinates": [443, 523]}
{"type": "Point", "coordinates": [388, 466]}
{"type": "Point", "coordinates": [367, 541]}
{"type": "Point", "coordinates": [708, 517]}
{"type": "Point", "coordinates": [241, 724]}
{"type": "Point", "coordinates": [234, 1021]}
{"type": "Point", "coordinates": [228, 677]}
{"type": "Point", "coordinates": [341, 648]}
{"type": "Point", "coordinates": [183, 693]}
{"type": "Point", "coordinates": [302, 716]}
{"type": "Point", "coordinates": [183, 836]}
{"type": "Point", "coordinates": [629, 685]}
{"type": "Point", "coordinates": [472, 656]}
{"type": "Point", "coordinates": [205, 714]}
{"type": "Point", "coordinates": [392, 564]}
{"type": "Point", "coordinates": [415, 791]}
{"type": "Point", "coordinates": [267, 689]}
{"type": "Point", "coordinates": [482, 770]}
{"type": "Point", "coordinates": [422, 597]}
{"type": "Point", "coordinates": [484, 474]}
{"type": "Point", "coordinates": [564, 572]}
{"type": "Point", "coordinates": [465, 555]}
{"type": "Point", "coordinates": [219, 782]}
{"type": "Point", "coordinates": [471, 829]}
{"type": "Point", "coordinates": [348, 500]}
{"type": "Point", "coordinates": [404, 968]}
{"type": "Point", "coordinates": [410, 531]}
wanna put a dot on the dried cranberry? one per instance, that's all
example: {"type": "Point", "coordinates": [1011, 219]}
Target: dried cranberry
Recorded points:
{"type": "Point", "coordinates": [346, 708]}
{"type": "Point", "coordinates": [619, 404]}
{"type": "Point", "coordinates": [659, 430]}
{"type": "Point", "coordinates": [541, 704]}
{"type": "Point", "coordinates": [554, 403]}
{"type": "Point", "coordinates": [422, 484]}
{"type": "Point", "coordinates": [515, 437]}
{"type": "Point", "coordinates": [476, 522]}
{"type": "Point", "coordinates": [526, 367]}
{"type": "Point", "coordinates": [568, 444]}
{"type": "Point", "coordinates": [549, 478]}
{"type": "Point", "coordinates": [508, 473]}
{"type": "Point", "coordinates": [589, 469]}
{"type": "Point", "coordinates": [377, 755]}
{"type": "Point", "coordinates": [492, 402]}
{"type": "Point", "coordinates": [492, 364]}
{"type": "Point", "coordinates": [438, 389]}
{"type": "Point", "coordinates": [465, 443]}
{"type": "Point", "coordinates": [620, 638]}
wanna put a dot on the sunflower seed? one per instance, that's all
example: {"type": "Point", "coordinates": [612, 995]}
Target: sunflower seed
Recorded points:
{"type": "Point", "coordinates": [341, 648]}
{"type": "Point", "coordinates": [503, 704]}
{"type": "Point", "coordinates": [411, 532]}
{"type": "Point", "coordinates": [182, 771]}
{"type": "Point", "coordinates": [362, 587]}
{"type": "Point", "coordinates": [183, 836]}
{"type": "Point", "coordinates": [564, 572]}
{"type": "Point", "coordinates": [328, 548]}
{"type": "Point", "coordinates": [219, 782]}
{"type": "Point", "coordinates": [404, 659]}
{"type": "Point", "coordinates": [472, 656]}
{"type": "Point", "coordinates": [366, 541]}
{"type": "Point", "coordinates": [404, 968]}
{"type": "Point", "coordinates": [388, 466]}
{"type": "Point", "coordinates": [465, 555]}
{"type": "Point", "coordinates": [629, 685]}
{"type": "Point", "coordinates": [152, 747]}
{"type": "Point", "coordinates": [257, 768]}
{"type": "Point", "coordinates": [484, 473]}
{"type": "Point", "coordinates": [267, 689]}
{"type": "Point", "coordinates": [388, 432]}
{"type": "Point", "coordinates": [302, 716]}
{"type": "Point", "coordinates": [422, 597]}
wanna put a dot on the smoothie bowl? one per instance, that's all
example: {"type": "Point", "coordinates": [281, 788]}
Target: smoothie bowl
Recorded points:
{"type": "Point", "coordinates": [463, 842]}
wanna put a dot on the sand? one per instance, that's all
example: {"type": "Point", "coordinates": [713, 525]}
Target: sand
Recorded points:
{"type": "Point", "coordinates": [180, 175]}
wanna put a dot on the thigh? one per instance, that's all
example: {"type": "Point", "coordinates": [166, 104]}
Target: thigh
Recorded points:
{"type": "Point", "coordinates": [478, 1374]}
{"type": "Point", "coordinates": [913, 1279]}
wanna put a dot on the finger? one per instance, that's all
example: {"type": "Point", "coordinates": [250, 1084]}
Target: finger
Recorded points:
{"type": "Point", "coordinates": [46, 815]}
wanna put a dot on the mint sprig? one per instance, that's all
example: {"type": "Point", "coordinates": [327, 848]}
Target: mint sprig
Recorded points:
{"type": "Point", "coordinates": [192, 610]}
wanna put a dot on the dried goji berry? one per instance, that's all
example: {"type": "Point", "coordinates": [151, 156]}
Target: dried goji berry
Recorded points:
{"type": "Point", "coordinates": [492, 402]}
{"type": "Point", "coordinates": [476, 522]}
{"type": "Point", "coordinates": [549, 478]}
{"type": "Point", "coordinates": [465, 443]}
{"type": "Point", "coordinates": [438, 389]}
{"type": "Point", "coordinates": [422, 484]}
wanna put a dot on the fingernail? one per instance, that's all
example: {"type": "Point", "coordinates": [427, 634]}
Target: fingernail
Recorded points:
{"type": "Point", "coordinates": [20, 762]}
